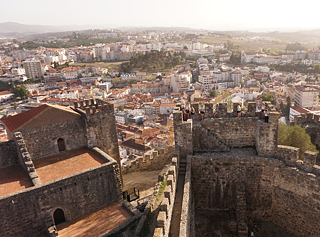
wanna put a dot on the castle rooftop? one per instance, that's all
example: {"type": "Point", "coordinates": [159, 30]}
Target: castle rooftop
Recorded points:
{"type": "Point", "coordinates": [68, 163]}
{"type": "Point", "coordinates": [94, 224]}
{"type": "Point", "coordinates": [13, 179]}
{"type": "Point", "coordinates": [39, 116]}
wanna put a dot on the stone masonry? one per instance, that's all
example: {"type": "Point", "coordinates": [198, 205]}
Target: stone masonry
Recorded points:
{"type": "Point", "coordinates": [237, 166]}
{"type": "Point", "coordinates": [30, 211]}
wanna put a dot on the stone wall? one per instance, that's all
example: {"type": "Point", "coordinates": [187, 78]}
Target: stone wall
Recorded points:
{"type": "Point", "coordinates": [100, 126]}
{"type": "Point", "coordinates": [225, 131]}
{"type": "Point", "coordinates": [187, 214]}
{"type": "Point", "coordinates": [284, 190]}
{"type": "Point", "coordinates": [167, 203]}
{"type": "Point", "coordinates": [296, 202]}
{"type": "Point", "coordinates": [214, 183]}
{"type": "Point", "coordinates": [267, 135]}
{"type": "Point", "coordinates": [75, 195]}
{"type": "Point", "coordinates": [234, 132]}
{"type": "Point", "coordinates": [182, 134]}
{"type": "Point", "coordinates": [155, 161]}
{"type": "Point", "coordinates": [42, 141]}
{"type": "Point", "coordinates": [8, 154]}
{"type": "Point", "coordinates": [25, 158]}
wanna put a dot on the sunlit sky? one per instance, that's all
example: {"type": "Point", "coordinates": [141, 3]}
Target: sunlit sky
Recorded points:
{"type": "Point", "coordinates": [204, 14]}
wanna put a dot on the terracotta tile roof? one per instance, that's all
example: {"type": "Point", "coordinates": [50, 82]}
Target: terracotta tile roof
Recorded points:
{"type": "Point", "coordinates": [134, 144]}
{"type": "Point", "coordinates": [16, 121]}
{"type": "Point", "coordinates": [49, 114]}
{"type": "Point", "coordinates": [5, 92]}
{"type": "Point", "coordinates": [299, 109]}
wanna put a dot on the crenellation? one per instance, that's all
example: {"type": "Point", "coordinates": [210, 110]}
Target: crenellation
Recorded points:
{"type": "Point", "coordinates": [310, 117]}
{"type": "Point", "coordinates": [251, 112]}
{"type": "Point", "coordinates": [289, 155]}
{"type": "Point", "coordinates": [208, 110]}
{"type": "Point", "coordinates": [25, 159]}
{"type": "Point", "coordinates": [309, 160]}
{"type": "Point", "coordinates": [222, 110]}
{"type": "Point", "coordinates": [165, 206]}
{"type": "Point", "coordinates": [234, 110]}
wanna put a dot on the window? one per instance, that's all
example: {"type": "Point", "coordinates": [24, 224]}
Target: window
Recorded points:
{"type": "Point", "coordinates": [61, 144]}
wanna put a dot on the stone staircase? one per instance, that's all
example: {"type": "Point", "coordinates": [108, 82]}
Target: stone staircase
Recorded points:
{"type": "Point", "coordinates": [175, 221]}
{"type": "Point", "coordinates": [182, 167]}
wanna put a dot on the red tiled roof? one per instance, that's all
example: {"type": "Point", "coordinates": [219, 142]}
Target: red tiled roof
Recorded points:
{"type": "Point", "coordinates": [299, 109]}
{"type": "Point", "coordinates": [16, 121]}
{"type": "Point", "coordinates": [5, 92]}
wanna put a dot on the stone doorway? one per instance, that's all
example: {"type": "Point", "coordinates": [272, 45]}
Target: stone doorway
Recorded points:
{"type": "Point", "coordinates": [61, 144]}
{"type": "Point", "coordinates": [58, 216]}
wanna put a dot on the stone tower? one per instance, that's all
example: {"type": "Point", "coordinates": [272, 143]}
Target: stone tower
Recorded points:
{"type": "Point", "coordinates": [100, 126]}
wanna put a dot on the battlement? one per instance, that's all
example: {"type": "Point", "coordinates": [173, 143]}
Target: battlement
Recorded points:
{"type": "Point", "coordinates": [306, 118]}
{"type": "Point", "coordinates": [290, 156]}
{"type": "Point", "coordinates": [167, 203]}
{"type": "Point", "coordinates": [223, 112]}
{"type": "Point", "coordinates": [93, 107]}
{"type": "Point", "coordinates": [25, 158]}
{"type": "Point", "coordinates": [226, 131]}
{"type": "Point", "coordinates": [153, 160]}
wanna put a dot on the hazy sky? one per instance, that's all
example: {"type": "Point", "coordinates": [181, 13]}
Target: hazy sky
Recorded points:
{"type": "Point", "coordinates": [206, 14]}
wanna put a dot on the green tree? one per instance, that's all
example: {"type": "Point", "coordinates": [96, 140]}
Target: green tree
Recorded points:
{"type": "Point", "coordinates": [15, 105]}
{"type": "Point", "coordinates": [295, 46]}
{"type": "Point", "coordinates": [316, 68]}
{"type": "Point", "coordinates": [21, 91]}
{"type": "Point", "coordinates": [267, 97]}
{"type": "Point", "coordinates": [120, 108]}
{"type": "Point", "coordinates": [116, 80]}
{"type": "Point", "coordinates": [213, 93]}
{"type": "Point", "coordinates": [295, 136]}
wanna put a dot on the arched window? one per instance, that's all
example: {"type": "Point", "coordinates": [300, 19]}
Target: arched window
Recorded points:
{"type": "Point", "coordinates": [61, 144]}
{"type": "Point", "coordinates": [58, 216]}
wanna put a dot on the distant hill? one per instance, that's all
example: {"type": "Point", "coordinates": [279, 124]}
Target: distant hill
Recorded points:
{"type": "Point", "coordinates": [10, 27]}
{"type": "Point", "coordinates": [141, 28]}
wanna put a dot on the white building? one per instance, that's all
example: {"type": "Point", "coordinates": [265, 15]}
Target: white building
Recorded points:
{"type": "Point", "coordinates": [180, 82]}
{"type": "Point", "coordinates": [33, 69]}
{"type": "Point", "coordinates": [123, 152]}
{"type": "Point", "coordinates": [265, 69]}
{"type": "Point", "coordinates": [296, 110]}
{"type": "Point", "coordinates": [121, 117]}
{"type": "Point", "coordinates": [5, 95]}
{"type": "Point", "coordinates": [306, 96]}
{"type": "Point", "coordinates": [247, 57]}
{"type": "Point", "coordinates": [209, 83]}
{"type": "Point", "coordinates": [236, 77]}
{"type": "Point", "coordinates": [167, 108]}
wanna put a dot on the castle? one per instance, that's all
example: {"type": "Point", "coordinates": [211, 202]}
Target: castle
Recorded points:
{"type": "Point", "coordinates": [228, 174]}
{"type": "Point", "coordinates": [235, 175]}
{"type": "Point", "coordinates": [60, 171]}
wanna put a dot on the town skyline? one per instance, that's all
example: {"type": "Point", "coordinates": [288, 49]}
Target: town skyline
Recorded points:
{"type": "Point", "coordinates": [229, 15]}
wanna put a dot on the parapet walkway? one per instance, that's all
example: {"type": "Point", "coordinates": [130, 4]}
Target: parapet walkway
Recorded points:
{"type": "Point", "coordinates": [176, 213]}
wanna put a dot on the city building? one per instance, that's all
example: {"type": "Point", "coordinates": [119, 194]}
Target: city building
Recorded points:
{"type": "Point", "coordinates": [306, 96]}
{"type": "Point", "coordinates": [33, 69]}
